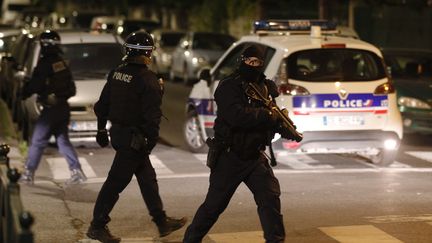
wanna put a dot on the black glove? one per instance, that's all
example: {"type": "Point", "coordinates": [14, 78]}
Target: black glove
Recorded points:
{"type": "Point", "coordinates": [102, 138]}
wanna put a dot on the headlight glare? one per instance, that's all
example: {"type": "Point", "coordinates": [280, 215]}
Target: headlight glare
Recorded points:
{"type": "Point", "coordinates": [413, 103]}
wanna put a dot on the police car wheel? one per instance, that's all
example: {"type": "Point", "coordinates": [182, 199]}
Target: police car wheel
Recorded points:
{"type": "Point", "coordinates": [193, 134]}
{"type": "Point", "coordinates": [384, 158]}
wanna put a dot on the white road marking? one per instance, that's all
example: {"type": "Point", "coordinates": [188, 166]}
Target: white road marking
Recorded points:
{"type": "Point", "coordinates": [359, 234]}
{"type": "Point", "coordinates": [201, 157]}
{"type": "Point", "coordinates": [397, 164]}
{"type": "Point", "coordinates": [85, 166]}
{"type": "Point", "coordinates": [250, 237]}
{"type": "Point", "coordinates": [301, 162]}
{"type": "Point", "coordinates": [60, 168]}
{"type": "Point", "coordinates": [159, 167]}
{"type": "Point", "coordinates": [399, 218]}
{"type": "Point", "coordinates": [124, 240]}
{"type": "Point", "coordinates": [424, 155]}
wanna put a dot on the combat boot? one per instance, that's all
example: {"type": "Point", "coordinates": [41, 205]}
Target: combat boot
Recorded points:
{"type": "Point", "coordinates": [102, 234]}
{"type": "Point", "coordinates": [27, 177]}
{"type": "Point", "coordinates": [77, 177]}
{"type": "Point", "coordinates": [169, 225]}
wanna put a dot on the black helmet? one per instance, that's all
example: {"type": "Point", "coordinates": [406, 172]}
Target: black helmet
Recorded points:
{"type": "Point", "coordinates": [49, 38]}
{"type": "Point", "coordinates": [139, 43]}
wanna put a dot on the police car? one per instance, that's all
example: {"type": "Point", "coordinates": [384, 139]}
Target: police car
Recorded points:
{"type": "Point", "coordinates": [336, 89]}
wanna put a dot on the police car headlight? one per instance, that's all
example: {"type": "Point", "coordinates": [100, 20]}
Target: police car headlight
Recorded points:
{"type": "Point", "coordinates": [390, 144]}
{"type": "Point", "coordinates": [198, 61]}
{"type": "Point", "coordinates": [413, 103]}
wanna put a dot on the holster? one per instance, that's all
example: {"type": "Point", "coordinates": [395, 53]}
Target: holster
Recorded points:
{"type": "Point", "coordinates": [138, 140]}
{"type": "Point", "coordinates": [215, 150]}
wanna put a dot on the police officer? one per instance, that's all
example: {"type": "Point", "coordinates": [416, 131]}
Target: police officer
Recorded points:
{"type": "Point", "coordinates": [131, 100]}
{"type": "Point", "coordinates": [243, 128]}
{"type": "Point", "coordinates": [52, 82]}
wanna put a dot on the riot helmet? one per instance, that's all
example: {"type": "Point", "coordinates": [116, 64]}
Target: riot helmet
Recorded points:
{"type": "Point", "coordinates": [49, 41]}
{"type": "Point", "coordinates": [49, 38]}
{"type": "Point", "coordinates": [139, 44]}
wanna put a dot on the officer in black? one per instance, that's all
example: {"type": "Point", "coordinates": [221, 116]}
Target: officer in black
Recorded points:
{"type": "Point", "coordinates": [243, 128]}
{"type": "Point", "coordinates": [53, 83]}
{"type": "Point", "coordinates": [131, 100]}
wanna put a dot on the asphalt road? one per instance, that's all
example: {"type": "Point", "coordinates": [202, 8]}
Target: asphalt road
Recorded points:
{"type": "Point", "coordinates": [325, 198]}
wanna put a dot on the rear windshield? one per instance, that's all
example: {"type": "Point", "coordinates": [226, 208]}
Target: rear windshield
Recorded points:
{"type": "Point", "coordinates": [322, 65]}
{"type": "Point", "coordinates": [92, 60]}
{"type": "Point", "coordinates": [170, 39]}
{"type": "Point", "coordinates": [212, 41]}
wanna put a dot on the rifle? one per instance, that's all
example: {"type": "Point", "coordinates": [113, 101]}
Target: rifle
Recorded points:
{"type": "Point", "coordinates": [288, 128]}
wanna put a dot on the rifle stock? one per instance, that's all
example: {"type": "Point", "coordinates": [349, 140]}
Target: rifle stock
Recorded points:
{"type": "Point", "coordinates": [253, 92]}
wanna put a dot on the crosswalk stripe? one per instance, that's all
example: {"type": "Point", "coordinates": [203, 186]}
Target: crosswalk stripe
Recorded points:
{"type": "Point", "coordinates": [301, 162]}
{"type": "Point", "coordinates": [201, 157]}
{"type": "Point", "coordinates": [250, 237]}
{"type": "Point", "coordinates": [85, 166]}
{"type": "Point", "coordinates": [424, 155]}
{"type": "Point", "coordinates": [124, 240]}
{"type": "Point", "coordinates": [159, 167]}
{"type": "Point", "coordinates": [359, 234]}
{"type": "Point", "coordinates": [59, 168]}
{"type": "Point", "coordinates": [397, 164]}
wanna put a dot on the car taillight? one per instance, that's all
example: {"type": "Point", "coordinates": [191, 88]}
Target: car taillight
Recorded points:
{"type": "Point", "coordinates": [291, 89]}
{"type": "Point", "coordinates": [385, 88]}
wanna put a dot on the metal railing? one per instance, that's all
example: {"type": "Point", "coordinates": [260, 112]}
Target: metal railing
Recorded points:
{"type": "Point", "coordinates": [15, 222]}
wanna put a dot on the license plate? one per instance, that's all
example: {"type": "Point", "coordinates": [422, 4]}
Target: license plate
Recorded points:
{"type": "Point", "coordinates": [83, 126]}
{"type": "Point", "coordinates": [343, 120]}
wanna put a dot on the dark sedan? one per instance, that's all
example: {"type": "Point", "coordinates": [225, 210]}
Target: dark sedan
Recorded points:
{"type": "Point", "coordinates": [412, 75]}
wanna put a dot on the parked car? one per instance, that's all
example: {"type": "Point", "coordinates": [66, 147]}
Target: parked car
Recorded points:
{"type": "Point", "coordinates": [8, 36]}
{"type": "Point", "coordinates": [12, 70]}
{"type": "Point", "coordinates": [336, 89]}
{"type": "Point", "coordinates": [195, 51]}
{"type": "Point", "coordinates": [90, 56]}
{"type": "Point", "coordinates": [126, 26]}
{"type": "Point", "coordinates": [165, 42]}
{"type": "Point", "coordinates": [411, 71]}
{"type": "Point", "coordinates": [105, 23]}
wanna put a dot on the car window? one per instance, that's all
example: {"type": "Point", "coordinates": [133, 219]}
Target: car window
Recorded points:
{"type": "Point", "coordinates": [29, 62]}
{"type": "Point", "coordinates": [231, 61]}
{"type": "Point", "coordinates": [212, 41]}
{"type": "Point", "coordinates": [6, 43]}
{"type": "Point", "coordinates": [410, 64]}
{"type": "Point", "coordinates": [92, 60]}
{"type": "Point", "coordinates": [229, 64]}
{"type": "Point", "coordinates": [170, 39]}
{"type": "Point", "coordinates": [335, 64]}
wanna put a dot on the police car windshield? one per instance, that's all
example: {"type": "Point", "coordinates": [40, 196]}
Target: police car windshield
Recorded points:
{"type": "Point", "coordinates": [212, 41]}
{"type": "Point", "coordinates": [92, 60]}
{"type": "Point", "coordinates": [324, 65]}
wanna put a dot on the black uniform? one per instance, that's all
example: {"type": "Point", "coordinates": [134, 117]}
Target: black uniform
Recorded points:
{"type": "Point", "coordinates": [245, 128]}
{"type": "Point", "coordinates": [131, 100]}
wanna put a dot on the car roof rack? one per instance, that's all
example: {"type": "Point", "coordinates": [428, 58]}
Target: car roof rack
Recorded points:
{"type": "Point", "coordinates": [293, 27]}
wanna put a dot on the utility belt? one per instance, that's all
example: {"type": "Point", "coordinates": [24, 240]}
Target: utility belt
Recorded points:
{"type": "Point", "coordinates": [244, 150]}
{"type": "Point", "coordinates": [125, 137]}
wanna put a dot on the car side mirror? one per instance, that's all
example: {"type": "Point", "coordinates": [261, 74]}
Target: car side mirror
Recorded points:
{"type": "Point", "coordinates": [204, 74]}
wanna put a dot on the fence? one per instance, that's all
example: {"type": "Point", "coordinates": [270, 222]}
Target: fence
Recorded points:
{"type": "Point", "coordinates": [15, 222]}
